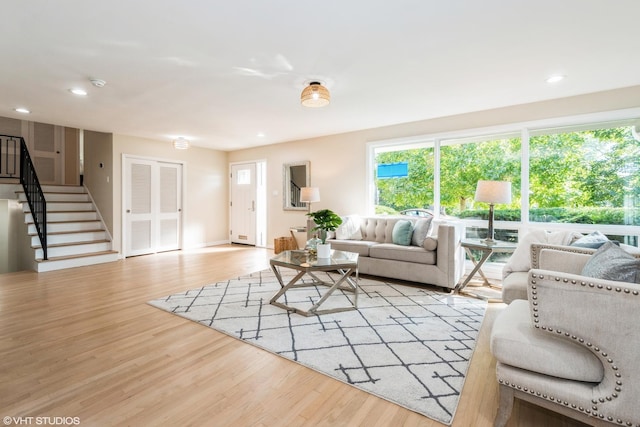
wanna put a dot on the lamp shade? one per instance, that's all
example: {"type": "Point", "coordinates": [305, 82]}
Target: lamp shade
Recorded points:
{"type": "Point", "coordinates": [309, 194]}
{"type": "Point", "coordinates": [315, 95]}
{"type": "Point", "coordinates": [493, 192]}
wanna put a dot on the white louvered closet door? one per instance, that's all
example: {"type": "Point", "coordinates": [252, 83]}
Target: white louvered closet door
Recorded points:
{"type": "Point", "coordinates": [153, 206]}
{"type": "Point", "coordinates": [170, 207]}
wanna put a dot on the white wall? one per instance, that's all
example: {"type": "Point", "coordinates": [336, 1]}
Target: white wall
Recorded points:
{"type": "Point", "coordinates": [338, 162]}
{"type": "Point", "coordinates": [15, 245]}
{"type": "Point", "coordinates": [206, 199]}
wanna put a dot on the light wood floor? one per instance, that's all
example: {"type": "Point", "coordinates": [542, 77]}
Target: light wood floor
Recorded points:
{"type": "Point", "coordinates": [83, 343]}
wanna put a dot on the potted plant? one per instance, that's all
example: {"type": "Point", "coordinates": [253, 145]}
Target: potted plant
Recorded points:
{"type": "Point", "coordinates": [325, 220]}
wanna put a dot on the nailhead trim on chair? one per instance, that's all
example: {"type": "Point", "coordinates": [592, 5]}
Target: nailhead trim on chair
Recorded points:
{"type": "Point", "coordinates": [535, 254]}
{"type": "Point", "coordinates": [593, 411]}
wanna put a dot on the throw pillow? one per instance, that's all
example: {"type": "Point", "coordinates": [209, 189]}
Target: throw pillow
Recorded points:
{"type": "Point", "coordinates": [421, 231]}
{"type": "Point", "coordinates": [349, 229]}
{"type": "Point", "coordinates": [593, 240]}
{"type": "Point", "coordinates": [611, 262]}
{"type": "Point", "coordinates": [430, 243]}
{"type": "Point", "coordinates": [402, 231]}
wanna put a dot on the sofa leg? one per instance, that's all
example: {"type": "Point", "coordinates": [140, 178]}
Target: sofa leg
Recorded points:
{"type": "Point", "coordinates": [505, 406]}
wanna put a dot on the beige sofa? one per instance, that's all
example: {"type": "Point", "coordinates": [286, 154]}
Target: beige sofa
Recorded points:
{"type": "Point", "coordinates": [439, 261]}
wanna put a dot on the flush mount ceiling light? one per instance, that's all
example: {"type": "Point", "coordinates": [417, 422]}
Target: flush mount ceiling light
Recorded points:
{"type": "Point", "coordinates": [22, 110]}
{"type": "Point", "coordinates": [315, 95]}
{"type": "Point", "coordinates": [555, 78]}
{"type": "Point", "coordinates": [180, 144]}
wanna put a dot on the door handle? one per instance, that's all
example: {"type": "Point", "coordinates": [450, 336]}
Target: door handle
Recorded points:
{"type": "Point", "coordinates": [128, 210]}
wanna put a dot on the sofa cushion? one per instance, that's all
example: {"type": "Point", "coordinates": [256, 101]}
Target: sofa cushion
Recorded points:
{"type": "Point", "coordinates": [361, 247]}
{"type": "Point", "coordinates": [402, 253]}
{"type": "Point", "coordinates": [402, 232]}
{"type": "Point", "coordinates": [611, 262]}
{"type": "Point", "coordinates": [515, 342]}
{"type": "Point", "coordinates": [421, 231]}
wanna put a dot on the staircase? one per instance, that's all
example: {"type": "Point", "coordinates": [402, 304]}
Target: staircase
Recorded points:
{"type": "Point", "coordinates": [76, 235]}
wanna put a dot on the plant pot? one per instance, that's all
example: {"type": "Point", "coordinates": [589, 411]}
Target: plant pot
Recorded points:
{"type": "Point", "coordinates": [324, 250]}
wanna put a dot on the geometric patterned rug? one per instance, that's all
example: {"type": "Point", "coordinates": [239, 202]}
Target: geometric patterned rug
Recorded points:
{"type": "Point", "coordinates": [407, 344]}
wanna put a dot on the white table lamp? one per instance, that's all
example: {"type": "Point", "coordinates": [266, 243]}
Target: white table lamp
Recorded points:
{"type": "Point", "coordinates": [493, 192]}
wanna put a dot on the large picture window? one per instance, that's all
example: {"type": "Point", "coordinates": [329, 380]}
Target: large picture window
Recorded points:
{"type": "Point", "coordinates": [583, 177]}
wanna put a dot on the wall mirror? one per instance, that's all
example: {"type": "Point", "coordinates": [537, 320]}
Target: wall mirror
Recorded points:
{"type": "Point", "coordinates": [294, 177]}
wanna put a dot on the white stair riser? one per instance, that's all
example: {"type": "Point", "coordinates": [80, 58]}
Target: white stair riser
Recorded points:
{"type": "Point", "coordinates": [74, 262]}
{"type": "Point", "coordinates": [63, 207]}
{"type": "Point", "coordinates": [55, 239]}
{"type": "Point", "coordinates": [74, 249]}
{"type": "Point", "coordinates": [72, 222]}
{"type": "Point", "coordinates": [59, 197]}
{"type": "Point", "coordinates": [59, 227]}
{"type": "Point", "coordinates": [65, 216]}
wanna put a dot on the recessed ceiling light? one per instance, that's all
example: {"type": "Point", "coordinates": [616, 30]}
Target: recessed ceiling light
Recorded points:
{"type": "Point", "coordinates": [22, 110]}
{"type": "Point", "coordinates": [78, 91]}
{"type": "Point", "coordinates": [260, 135]}
{"type": "Point", "coordinates": [555, 78]}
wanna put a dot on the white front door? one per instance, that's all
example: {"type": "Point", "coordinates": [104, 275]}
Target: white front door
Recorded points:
{"type": "Point", "coordinates": [243, 203]}
{"type": "Point", "coordinates": [152, 206]}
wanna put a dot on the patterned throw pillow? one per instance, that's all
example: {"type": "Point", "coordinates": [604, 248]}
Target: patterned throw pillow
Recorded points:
{"type": "Point", "coordinates": [593, 240]}
{"type": "Point", "coordinates": [611, 262]}
{"type": "Point", "coordinates": [421, 231]}
{"type": "Point", "coordinates": [402, 231]}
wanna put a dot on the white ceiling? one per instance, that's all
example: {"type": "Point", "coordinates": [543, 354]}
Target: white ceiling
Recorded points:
{"type": "Point", "coordinates": [221, 72]}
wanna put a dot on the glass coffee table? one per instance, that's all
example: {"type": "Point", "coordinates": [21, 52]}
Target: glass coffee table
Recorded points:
{"type": "Point", "coordinates": [345, 263]}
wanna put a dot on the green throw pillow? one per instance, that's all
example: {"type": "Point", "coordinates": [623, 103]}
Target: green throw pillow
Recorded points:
{"type": "Point", "coordinates": [402, 232]}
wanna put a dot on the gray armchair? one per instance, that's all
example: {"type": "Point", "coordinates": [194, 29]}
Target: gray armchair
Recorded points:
{"type": "Point", "coordinates": [574, 346]}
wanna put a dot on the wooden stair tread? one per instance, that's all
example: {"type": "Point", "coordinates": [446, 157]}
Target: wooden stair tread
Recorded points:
{"type": "Point", "coordinates": [61, 245]}
{"type": "Point", "coordinates": [61, 258]}
{"type": "Point", "coordinates": [56, 233]}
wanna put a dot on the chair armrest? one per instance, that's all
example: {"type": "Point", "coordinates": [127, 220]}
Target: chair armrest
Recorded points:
{"type": "Point", "coordinates": [600, 315]}
{"type": "Point", "coordinates": [568, 259]}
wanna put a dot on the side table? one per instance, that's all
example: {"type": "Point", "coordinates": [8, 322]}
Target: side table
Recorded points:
{"type": "Point", "coordinates": [487, 249]}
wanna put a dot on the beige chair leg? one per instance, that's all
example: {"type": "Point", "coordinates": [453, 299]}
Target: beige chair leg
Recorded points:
{"type": "Point", "coordinates": [505, 406]}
